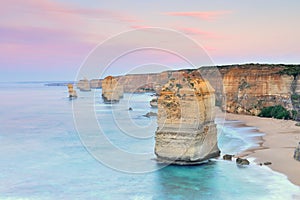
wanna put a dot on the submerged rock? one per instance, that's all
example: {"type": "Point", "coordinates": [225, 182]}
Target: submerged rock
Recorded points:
{"type": "Point", "coordinates": [150, 114]}
{"type": "Point", "coordinates": [186, 131]}
{"type": "Point", "coordinates": [111, 90]}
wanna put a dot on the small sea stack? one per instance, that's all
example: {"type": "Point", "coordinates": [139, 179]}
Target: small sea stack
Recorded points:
{"type": "Point", "coordinates": [111, 90]}
{"type": "Point", "coordinates": [72, 92]}
{"type": "Point", "coordinates": [84, 85]}
{"type": "Point", "coordinates": [186, 133]}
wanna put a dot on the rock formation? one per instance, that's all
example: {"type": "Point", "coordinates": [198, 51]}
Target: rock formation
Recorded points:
{"type": "Point", "coordinates": [297, 153]}
{"type": "Point", "coordinates": [249, 88]}
{"type": "Point", "coordinates": [244, 89]}
{"type": "Point", "coordinates": [227, 157]}
{"type": "Point", "coordinates": [84, 85]}
{"type": "Point", "coordinates": [150, 114]}
{"type": "Point", "coordinates": [112, 91]}
{"type": "Point", "coordinates": [153, 102]}
{"type": "Point", "coordinates": [186, 131]}
{"type": "Point", "coordinates": [95, 83]}
{"type": "Point", "coordinates": [241, 161]}
{"type": "Point", "coordinates": [72, 92]}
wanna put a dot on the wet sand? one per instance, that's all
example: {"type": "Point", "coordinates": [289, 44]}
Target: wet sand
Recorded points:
{"type": "Point", "coordinates": [280, 140]}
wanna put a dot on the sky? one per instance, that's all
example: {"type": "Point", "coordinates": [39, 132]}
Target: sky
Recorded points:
{"type": "Point", "coordinates": [51, 39]}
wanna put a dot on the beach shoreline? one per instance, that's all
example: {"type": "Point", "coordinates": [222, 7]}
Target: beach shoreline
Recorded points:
{"type": "Point", "coordinates": [280, 139]}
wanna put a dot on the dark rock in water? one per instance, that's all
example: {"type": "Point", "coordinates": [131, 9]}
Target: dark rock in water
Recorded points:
{"type": "Point", "coordinates": [297, 153]}
{"type": "Point", "coordinates": [227, 157]}
{"type": "Point", "coordinates": [260, 164]}
{"type": "Point", "coordinates": [130, 109]}
{"type": "Point", "coordinates": [153, 103]}
{"type": "Point", "coordinates": [110, 101]}
{"type": "Point", "coordinates": [241, 161]}
{"type": "Point", "coordinates": [267, 163]}
{"type": "Point", "coordinates": [150, 114]}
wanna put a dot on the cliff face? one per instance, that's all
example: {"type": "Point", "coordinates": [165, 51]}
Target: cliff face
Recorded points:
{"type": "Point", "coordinates": [249, 89]}
{"type": "Point", "coordinates": [186, 131]}
{"type": "Point", "coordinates": [239, 88]}
{"type": "Point", "coordinates": [112, 91]}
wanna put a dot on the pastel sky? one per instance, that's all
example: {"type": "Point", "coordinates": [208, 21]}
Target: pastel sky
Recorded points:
{"type": "Point", "coordinates": [49, 39]}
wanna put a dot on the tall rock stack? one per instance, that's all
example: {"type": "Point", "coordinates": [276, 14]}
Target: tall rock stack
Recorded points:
{"type": "Point", "coordinates": [186, 133]}
{"type": "Point", "coordinates": [112, 91]}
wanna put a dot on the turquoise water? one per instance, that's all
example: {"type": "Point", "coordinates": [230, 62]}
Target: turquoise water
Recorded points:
{"type": "Point", "coordinates": [42, 157]}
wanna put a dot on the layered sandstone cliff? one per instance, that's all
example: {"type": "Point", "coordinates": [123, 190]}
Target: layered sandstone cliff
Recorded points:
{"type": "Point", "coordinates": [250, 88]}
{"type": "Point", "coordinates": [186, 131]}
{"type": "Point", "coordinates": [242, 89]}
{"type": "Point", "coordinates": [112, 91]}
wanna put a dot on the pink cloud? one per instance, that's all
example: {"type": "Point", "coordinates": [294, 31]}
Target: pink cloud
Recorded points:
{"type": "Point", "coordinates": [139, 26]}
{"type": "Point", "coordinates": [46, 13]}
{"type": "Point", "coordinates": [43, 30]}
{"type": "Point", "coordinates": [195, 31]}
{"type": "Point", "coordinates": [207, 15]}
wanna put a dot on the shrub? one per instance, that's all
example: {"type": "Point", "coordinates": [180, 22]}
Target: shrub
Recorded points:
{"type": "Point", "coordinates": [294, 114]}
{"type": "Point", "coordinates": [295, 97]}
{"type": "Point", "coordinates": [292, 70]}
{"type": "Point", "coordinates": [278, 112]}
{"type": "Point", "coordinates": [179, 85]}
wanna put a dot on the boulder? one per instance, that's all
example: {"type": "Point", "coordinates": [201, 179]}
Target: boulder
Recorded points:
{"type": "Point", "coordinates": [267, 163]}
{"type": "Point", "coordinates": [150, 114]}
{"type": "Point", "coordinates": [241, 161]}
{"type": "Point", "coordinates": [227, 157]}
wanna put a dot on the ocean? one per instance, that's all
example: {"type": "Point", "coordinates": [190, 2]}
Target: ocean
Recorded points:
{"type": "Point", "coordinates": [42, 155]}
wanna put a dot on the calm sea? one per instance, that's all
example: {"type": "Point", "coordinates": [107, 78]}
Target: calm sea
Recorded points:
{"type": "Point", "coordinates": [42, 156]}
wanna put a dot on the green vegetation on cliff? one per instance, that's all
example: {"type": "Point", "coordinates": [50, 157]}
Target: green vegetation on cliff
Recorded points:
{"type": "Point", "coordinates": [292, 70]}
{"type": "Point", "coordinates": [278, 112]}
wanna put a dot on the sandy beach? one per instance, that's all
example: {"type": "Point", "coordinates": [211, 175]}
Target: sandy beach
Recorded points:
{"type": "Point", "coordinates": [280, 139]}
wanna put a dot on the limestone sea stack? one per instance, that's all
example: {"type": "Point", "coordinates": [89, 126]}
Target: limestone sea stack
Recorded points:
{"type": "Point", "coordinates": [112, 91]}
{"type": "Point", "coordinates": [84, 85]}
{"type": "Point", "coordinates": [186, 133]}
{"type": "Point", "coordinates": [72, 92]}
